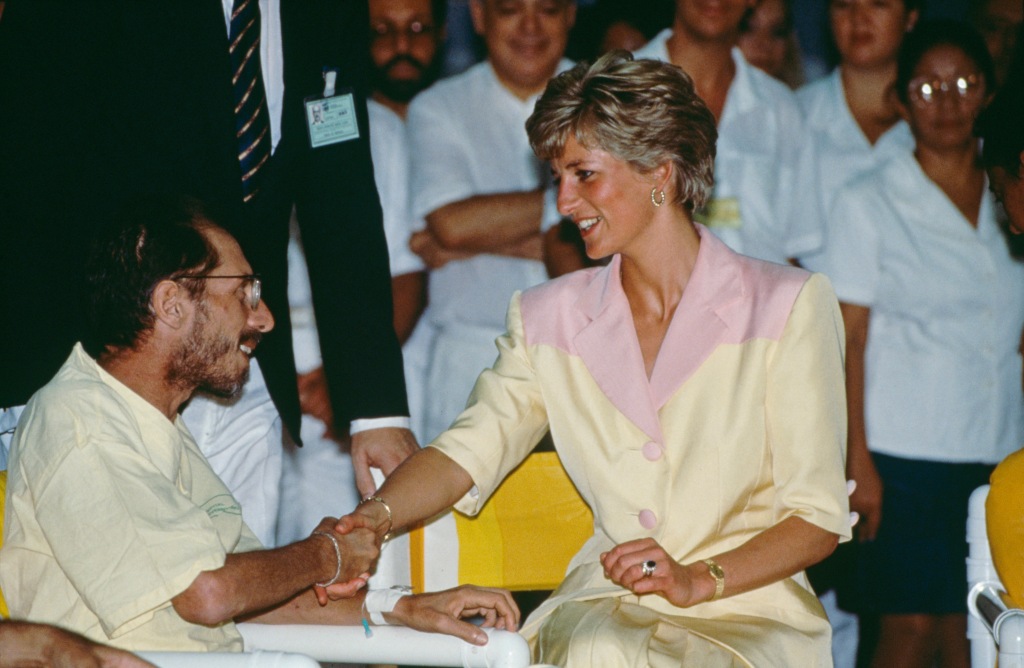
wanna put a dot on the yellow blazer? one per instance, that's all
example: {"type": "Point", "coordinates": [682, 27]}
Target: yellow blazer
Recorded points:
{"type": "Point", "coordinates": [741, 425]}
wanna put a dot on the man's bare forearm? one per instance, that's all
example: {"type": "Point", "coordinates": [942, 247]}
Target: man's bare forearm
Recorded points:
{"type": "Point", "coordinates": [259, 580]}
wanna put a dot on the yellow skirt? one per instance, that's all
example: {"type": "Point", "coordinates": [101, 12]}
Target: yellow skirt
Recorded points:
{"type": "Point", "coordinates": [616, 633]}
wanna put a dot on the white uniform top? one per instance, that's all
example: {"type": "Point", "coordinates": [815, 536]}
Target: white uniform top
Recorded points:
{"type": "Point", "coordinates": [467, 137]}
{"type": "Point", "coordinates": [942, 371]}
{"type": "Point", "coordinates": [836, 151]}
{"type": "Point", "coordinates": [759, 141]}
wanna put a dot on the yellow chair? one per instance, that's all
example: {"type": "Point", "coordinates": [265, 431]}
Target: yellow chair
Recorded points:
{"type": "Point", "coordinates": [4, 612]}
{"type": "Point", "coordinates": [522, 539]}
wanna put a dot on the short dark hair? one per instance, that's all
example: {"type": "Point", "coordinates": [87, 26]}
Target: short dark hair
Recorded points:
{"type": "Point", "coordinates": [150, 239]}
{"type": "Point", "coordinates": [1000, 125]}
{"type": "Point", "coordinates": [927, 35]}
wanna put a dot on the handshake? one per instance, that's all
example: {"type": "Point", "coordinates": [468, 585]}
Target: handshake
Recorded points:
{"type": "Point", "coordinates": [351, 546]}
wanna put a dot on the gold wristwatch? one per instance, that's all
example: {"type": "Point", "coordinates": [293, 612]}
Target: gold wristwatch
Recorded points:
{"type": "Point", "coordinates": [719, 575]}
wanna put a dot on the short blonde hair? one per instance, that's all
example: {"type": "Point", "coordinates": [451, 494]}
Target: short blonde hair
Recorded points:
{"type": "Point", "coordinates": [644, 112]}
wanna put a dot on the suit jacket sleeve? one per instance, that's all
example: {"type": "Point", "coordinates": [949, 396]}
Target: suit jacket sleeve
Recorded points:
{"type": "Point", "coordinates": [339, 214]}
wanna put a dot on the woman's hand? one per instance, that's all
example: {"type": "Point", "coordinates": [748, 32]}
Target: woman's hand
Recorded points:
{"type": "Point", "coordinates": [866, 499]}
{"type": "Point", "coordinates": [678, 584]}
{"type": "Point", "coordinates": [443, 612]}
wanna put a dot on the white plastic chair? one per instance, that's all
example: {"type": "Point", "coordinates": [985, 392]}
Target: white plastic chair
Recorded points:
{"type": "Point", "coordinates": [995, 628]}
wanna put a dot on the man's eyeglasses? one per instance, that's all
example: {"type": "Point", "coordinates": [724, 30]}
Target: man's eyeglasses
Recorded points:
{"type": "Point", "coordinates": [390, 31]}
{"type": "Point", "coordinates": [254, 281]}
{"type": "Point", "coordinates": [926, 91]}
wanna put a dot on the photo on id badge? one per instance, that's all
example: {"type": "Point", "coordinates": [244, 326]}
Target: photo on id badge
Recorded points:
{"type": "Point", "coordinates": [331, 120]}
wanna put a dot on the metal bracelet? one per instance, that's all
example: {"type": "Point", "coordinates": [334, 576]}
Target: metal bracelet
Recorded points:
{"type": "Point", "coordinates": [337, 554]}
{"type": "Point", "coordinates": [387, 508]}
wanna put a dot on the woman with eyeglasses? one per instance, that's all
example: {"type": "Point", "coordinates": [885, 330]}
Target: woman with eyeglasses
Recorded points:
{"type": "Point", "coordinates": [933, 310]}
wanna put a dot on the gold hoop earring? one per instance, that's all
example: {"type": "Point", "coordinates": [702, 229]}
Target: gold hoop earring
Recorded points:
{"type": "Point", "coordinates": [657, 201]}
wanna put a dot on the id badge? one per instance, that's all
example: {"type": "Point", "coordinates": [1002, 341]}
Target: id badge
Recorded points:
{"type": "Point", "coordinates": [721, 212]}
{"type": "Point", "coordinates": [331, 117]}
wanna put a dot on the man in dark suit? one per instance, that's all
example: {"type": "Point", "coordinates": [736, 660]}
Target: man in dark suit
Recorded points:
{"type": "Point", "coordinates": [102, 101]}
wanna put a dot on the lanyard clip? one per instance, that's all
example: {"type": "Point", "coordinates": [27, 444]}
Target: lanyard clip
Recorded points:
{"type": "Point", "coordinates": [330, 77]}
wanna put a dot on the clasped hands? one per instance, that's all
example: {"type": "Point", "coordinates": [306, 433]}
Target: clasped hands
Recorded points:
{"type": "Point", "coordinates": [360, 534]}
{"type": "Point", "coordinates": [359, 551]}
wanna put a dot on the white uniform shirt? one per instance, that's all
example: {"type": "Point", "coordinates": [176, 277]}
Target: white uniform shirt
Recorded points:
{"type": "Point", "coordinates": [467, 137]}
{"type": "Point", "coordinates": [759, 142]}
{"type": "Point", "coordinates": [836, 151]}
{"type": "Point", "coordinates": [942, 371]}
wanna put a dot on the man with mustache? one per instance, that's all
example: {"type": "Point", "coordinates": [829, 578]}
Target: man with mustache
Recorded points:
{"type": "Point", "coordinates": [116, 526]}
{"type": "Point", "coordinates": [405, 49]}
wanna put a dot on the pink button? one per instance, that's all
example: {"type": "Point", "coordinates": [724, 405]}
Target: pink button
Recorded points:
{"type": "Point", "coordinates": [652, 451]}
{"type": "Point", "coordinates": [648, 519]}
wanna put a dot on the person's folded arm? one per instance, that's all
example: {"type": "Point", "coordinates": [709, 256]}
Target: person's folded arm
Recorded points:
{"type": "Point", "coordinates": [493, 223]}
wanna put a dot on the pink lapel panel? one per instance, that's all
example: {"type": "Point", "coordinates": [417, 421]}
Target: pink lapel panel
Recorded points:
{"type": "Point", "coordinates": [609, 348]}
{"type": "Point", "coordinates": [729, 299]}
{"type": "Point", "coordinates": [701, 321]}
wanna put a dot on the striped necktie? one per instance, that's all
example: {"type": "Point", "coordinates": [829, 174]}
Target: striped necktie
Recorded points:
{"type": "Point", "coordinates": [252, 120]}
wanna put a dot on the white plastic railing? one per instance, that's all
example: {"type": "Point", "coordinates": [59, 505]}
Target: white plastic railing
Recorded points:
{"type": "Point", "coordinates": [389, 644]}
{"type": "Point", "coordinates": [228, 660]}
